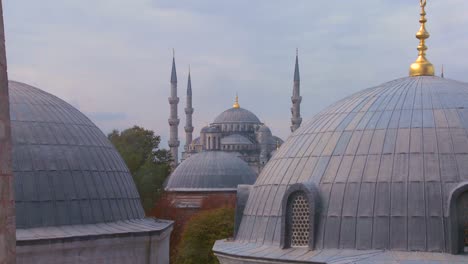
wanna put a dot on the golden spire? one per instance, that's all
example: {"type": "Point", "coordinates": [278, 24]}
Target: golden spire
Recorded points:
{"type": "Point", "coordinates": [236, 103]}
{"type": "Point", "coordinates": [422, 67]}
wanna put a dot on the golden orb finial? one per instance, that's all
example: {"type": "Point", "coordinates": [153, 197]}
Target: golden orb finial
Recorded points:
{"type": "Point", "coordinates": [236, 103]}
{"type": "Point", "coordinates": [422, 67]}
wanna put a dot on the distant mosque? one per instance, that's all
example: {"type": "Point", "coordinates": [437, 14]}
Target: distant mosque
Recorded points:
{"type": "Point", "coordinates": [236, 130]}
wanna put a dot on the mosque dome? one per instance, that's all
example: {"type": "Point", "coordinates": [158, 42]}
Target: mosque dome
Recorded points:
{"type": "Point", "coordinates": [210, 170]}
{"type": "Point", "coordinates": [380, 169]}
{"type": "Point", "coordinates": [66, 171]}
{"type": "Point", "coordinates": [237, 115]}
{"type": "Point", "coordinates": [264, 129]}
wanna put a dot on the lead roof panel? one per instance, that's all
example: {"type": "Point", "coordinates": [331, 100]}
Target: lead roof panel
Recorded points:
{"type": "Point", "coordinates": [59, 159]}
{"type": "Point", "coordinates": [387, 156]}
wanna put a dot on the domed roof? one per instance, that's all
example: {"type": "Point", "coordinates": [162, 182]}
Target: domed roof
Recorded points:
{"type": "Point", "coordinates": [212, 129]}
{"type": "Point", "coordinates": [236, 115]}
{"type": "Point", "coordinates": [210, 170]}
{"type": "Point", "coordinates": [264, 129]}
{"type": "Point", "coordinates": [235, 139]}
{"type": "Point", "coordinates": [384, 162]}
{"type": "Point", "coordinates": [66, 171]}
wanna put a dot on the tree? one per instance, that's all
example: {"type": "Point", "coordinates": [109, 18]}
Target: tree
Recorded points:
{"type": "Point", "coordinates": [148, 164]}
{"type": "Point", "coordinates": [200, 234]}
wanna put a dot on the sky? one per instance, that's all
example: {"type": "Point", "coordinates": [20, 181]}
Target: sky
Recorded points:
{"type": "Point", "coordinates": [112, 58]}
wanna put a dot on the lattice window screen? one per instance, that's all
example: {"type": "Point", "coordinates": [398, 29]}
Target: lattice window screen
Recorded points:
{"type": "Point", "coordinates": [300, 221]}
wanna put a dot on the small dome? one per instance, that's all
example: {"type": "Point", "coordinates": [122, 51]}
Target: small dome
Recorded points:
{"type": "Point", "coordinates": [384, 162]}
{"type": "Point", "coordinates": [235, 139]}
{"type": "Point", "coordinates": [264, 129]}
{"type": "Point", "coordinates": [66, 171]}
{"type": "Point", "coordinates": [196, 141]}
{"type": "Point", "coordinates": [237, 115]}
{"type": "Point", "coordinates": [213, 129]}
{"type": "Point", "coordinates": [211, 170]}
{"type": "Point", "coordinates": [204, 129]}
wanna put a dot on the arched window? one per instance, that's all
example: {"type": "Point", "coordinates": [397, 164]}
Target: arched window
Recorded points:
{"type": "Point", "coordinates": [462, 209]}
{"type": "Point", "coordinates": [298, 223]}
{"type": "Point", "coordinates": [209, 143]}
{"type": "Point", "coordinates": [299, 205]}
{"type": "Point", "coordinates": [459, 219]}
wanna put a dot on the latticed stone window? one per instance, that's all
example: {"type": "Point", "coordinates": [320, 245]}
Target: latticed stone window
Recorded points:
{"type": "Point", "coordinates": [299, 220]}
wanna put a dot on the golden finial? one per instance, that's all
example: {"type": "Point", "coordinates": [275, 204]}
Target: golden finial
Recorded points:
{"type": "Point", "coordinates": [422, 67]}
{"type": "Point", "coordinates": [236, 103]}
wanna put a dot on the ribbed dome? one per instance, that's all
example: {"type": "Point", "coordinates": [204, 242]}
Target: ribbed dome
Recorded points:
{"type": "Point", "coordinates": [210, 170]}
{"type": "Point", "coordinates": [384, 162]}
{"type": "Point", "coordinates": [236, 115]}
{"type": "Point", "coordinates": [66, 171]}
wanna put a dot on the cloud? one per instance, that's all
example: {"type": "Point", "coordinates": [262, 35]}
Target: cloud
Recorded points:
{"type": "Point", "coordinates": [113, 56]}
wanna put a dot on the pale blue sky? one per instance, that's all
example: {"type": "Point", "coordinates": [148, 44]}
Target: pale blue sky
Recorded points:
{"type": "Point", "coordinates": [111, 58]}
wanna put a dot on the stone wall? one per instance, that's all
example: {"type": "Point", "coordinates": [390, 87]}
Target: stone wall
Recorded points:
{"type": "Point", "coordinates": [138, 249]}
{"type": "Point", "coordinates": [7, 202]}
{"type": "Point", "coordinates": [181, 206]}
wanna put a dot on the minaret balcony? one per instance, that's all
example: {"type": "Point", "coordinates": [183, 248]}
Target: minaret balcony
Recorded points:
{"type": "Point", "coordinates": [188, 129]}
{"type": "Point", "coordinates": [189, 111]}
{"type": "Point", "coordinates": [296, 120]}
{"type": "Point", "coordinates": [173, 143]}
{"type": "Point", "coordinates": [173, 100]}
{"type": "Point", "coordinates": [173, 121]}
{"type": "Point", "coordinates": [296, 99]}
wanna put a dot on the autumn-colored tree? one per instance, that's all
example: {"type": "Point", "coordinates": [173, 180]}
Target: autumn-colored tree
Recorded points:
{"type": "Point", "coordinates": [201, 232]}
{"type": "Point", "coordinates": [148, 164]}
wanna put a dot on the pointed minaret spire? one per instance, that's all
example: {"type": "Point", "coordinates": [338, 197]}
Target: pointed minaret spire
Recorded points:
{"type": "Point", "coordinates": [188, 112]}
{"type": "Point", "coordinates": [296, 98]}
{"type": "Point", "coordinates": [442, 74]}
{"type": "Point", "coordinates": [174, 119]}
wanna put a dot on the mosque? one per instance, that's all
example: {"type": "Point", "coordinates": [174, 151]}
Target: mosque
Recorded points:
{"type": "Point", "coordinates": [236, 130]}
{"type": "Point", "coordinates": [378, 177]}
{"type": "Point", "coordinates": [231, 151]}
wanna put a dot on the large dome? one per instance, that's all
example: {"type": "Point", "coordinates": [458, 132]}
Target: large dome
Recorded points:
{"type": "Point", "coordinates": [236, 115]}
{"type": "Point", "coordinates": [210, 171]}
{"type": "Point", "coordinates": [66, 171]}
{"type": "Point", "coordinates": [385, 163]}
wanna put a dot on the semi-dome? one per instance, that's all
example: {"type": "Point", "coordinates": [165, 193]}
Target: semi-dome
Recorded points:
{"type": "Point", "coordinates": [235, 139]}
{"type": "Point", "coordinates": [66, 171]}
{"type": "Point", "coordinates": [382, 169]}
{"type": "Point", "coordinates": [210, 170]}
{"type": "Point", "coordinates": [237, 115]}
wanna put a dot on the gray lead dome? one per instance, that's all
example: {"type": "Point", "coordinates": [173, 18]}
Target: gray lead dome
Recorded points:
{"type": "Point", "coordinates": [210, 171]}
{"type": "Point", "coordinates": [386, 163]}
{"type": "Point", "coordinates": [237, 115]}
{"type": "Point", "coordinates": [66, 171]}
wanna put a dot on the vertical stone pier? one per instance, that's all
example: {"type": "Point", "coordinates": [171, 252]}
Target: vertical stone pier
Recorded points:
{"type": "Point", "coordinates": [7, 198]}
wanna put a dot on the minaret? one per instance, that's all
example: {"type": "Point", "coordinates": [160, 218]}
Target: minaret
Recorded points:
{"type": "Point", "coordinates": [442, 73]}
{"type": "Point", "coordinates": [188, 112]}
{"type": "Point", "coordinates": [174, 119]}
{"type": "Point", "coordinates": [296, 98]}
{"type": "Point", "coordinates": [7, 198]}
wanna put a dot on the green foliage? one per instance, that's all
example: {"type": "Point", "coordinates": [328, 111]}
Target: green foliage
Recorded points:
{"type": "Point", "coordinates": [148, 164]}
{"type": "Point", "coordinates": [201, 232]}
